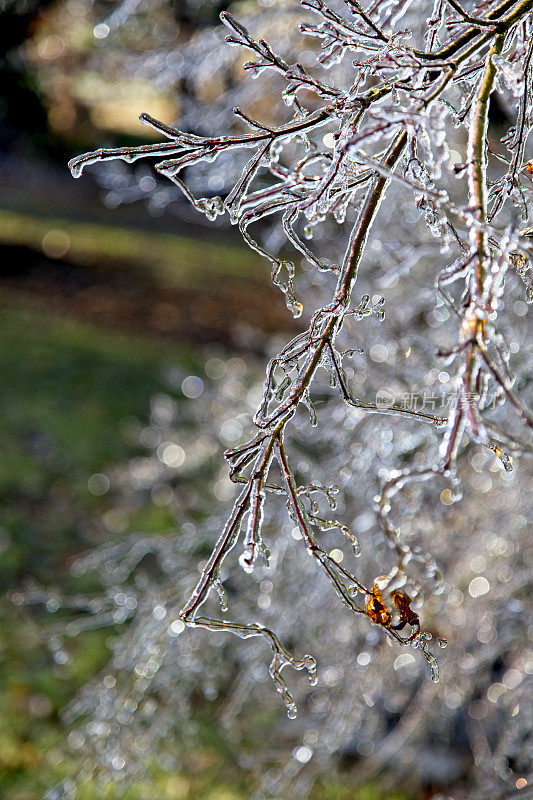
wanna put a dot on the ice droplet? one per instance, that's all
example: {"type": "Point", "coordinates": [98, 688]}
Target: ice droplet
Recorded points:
{"type": "Point", "coordinates": [297, 309]}
{"type": "Point", "coordinates": [245, 562]}
{"type": "Point", "coordinates": [292, 711]}
{"type": "Point", "coordinates": [75, 168]}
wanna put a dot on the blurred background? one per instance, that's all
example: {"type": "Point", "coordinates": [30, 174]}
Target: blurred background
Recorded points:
{"type": "Point", "coordinates": [104, 302]}
{"type": "Point", "coordinates": [132, 338]}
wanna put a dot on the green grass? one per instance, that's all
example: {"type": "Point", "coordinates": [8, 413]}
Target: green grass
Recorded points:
{"type": "Point", "coordinates": [65, 388]}
{"type": "Point", "coordinates": [164, 258]}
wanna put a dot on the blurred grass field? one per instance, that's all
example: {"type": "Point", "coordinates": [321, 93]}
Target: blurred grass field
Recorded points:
{"type": "Point", "coordinates": [167, 258]}
{"type": "Point", "coordinates": [66, 386]}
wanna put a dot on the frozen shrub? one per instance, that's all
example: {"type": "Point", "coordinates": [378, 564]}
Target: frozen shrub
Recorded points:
{"type": "Point", "coordinates": [408, 380]}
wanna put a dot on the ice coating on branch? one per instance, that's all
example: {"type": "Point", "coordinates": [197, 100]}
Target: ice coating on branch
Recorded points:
{"type": "Point", "coordinates": [280, 660]}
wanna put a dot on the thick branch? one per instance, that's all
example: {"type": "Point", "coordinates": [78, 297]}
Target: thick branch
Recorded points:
{"type": "Point", "coordinates": [477, 157]}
